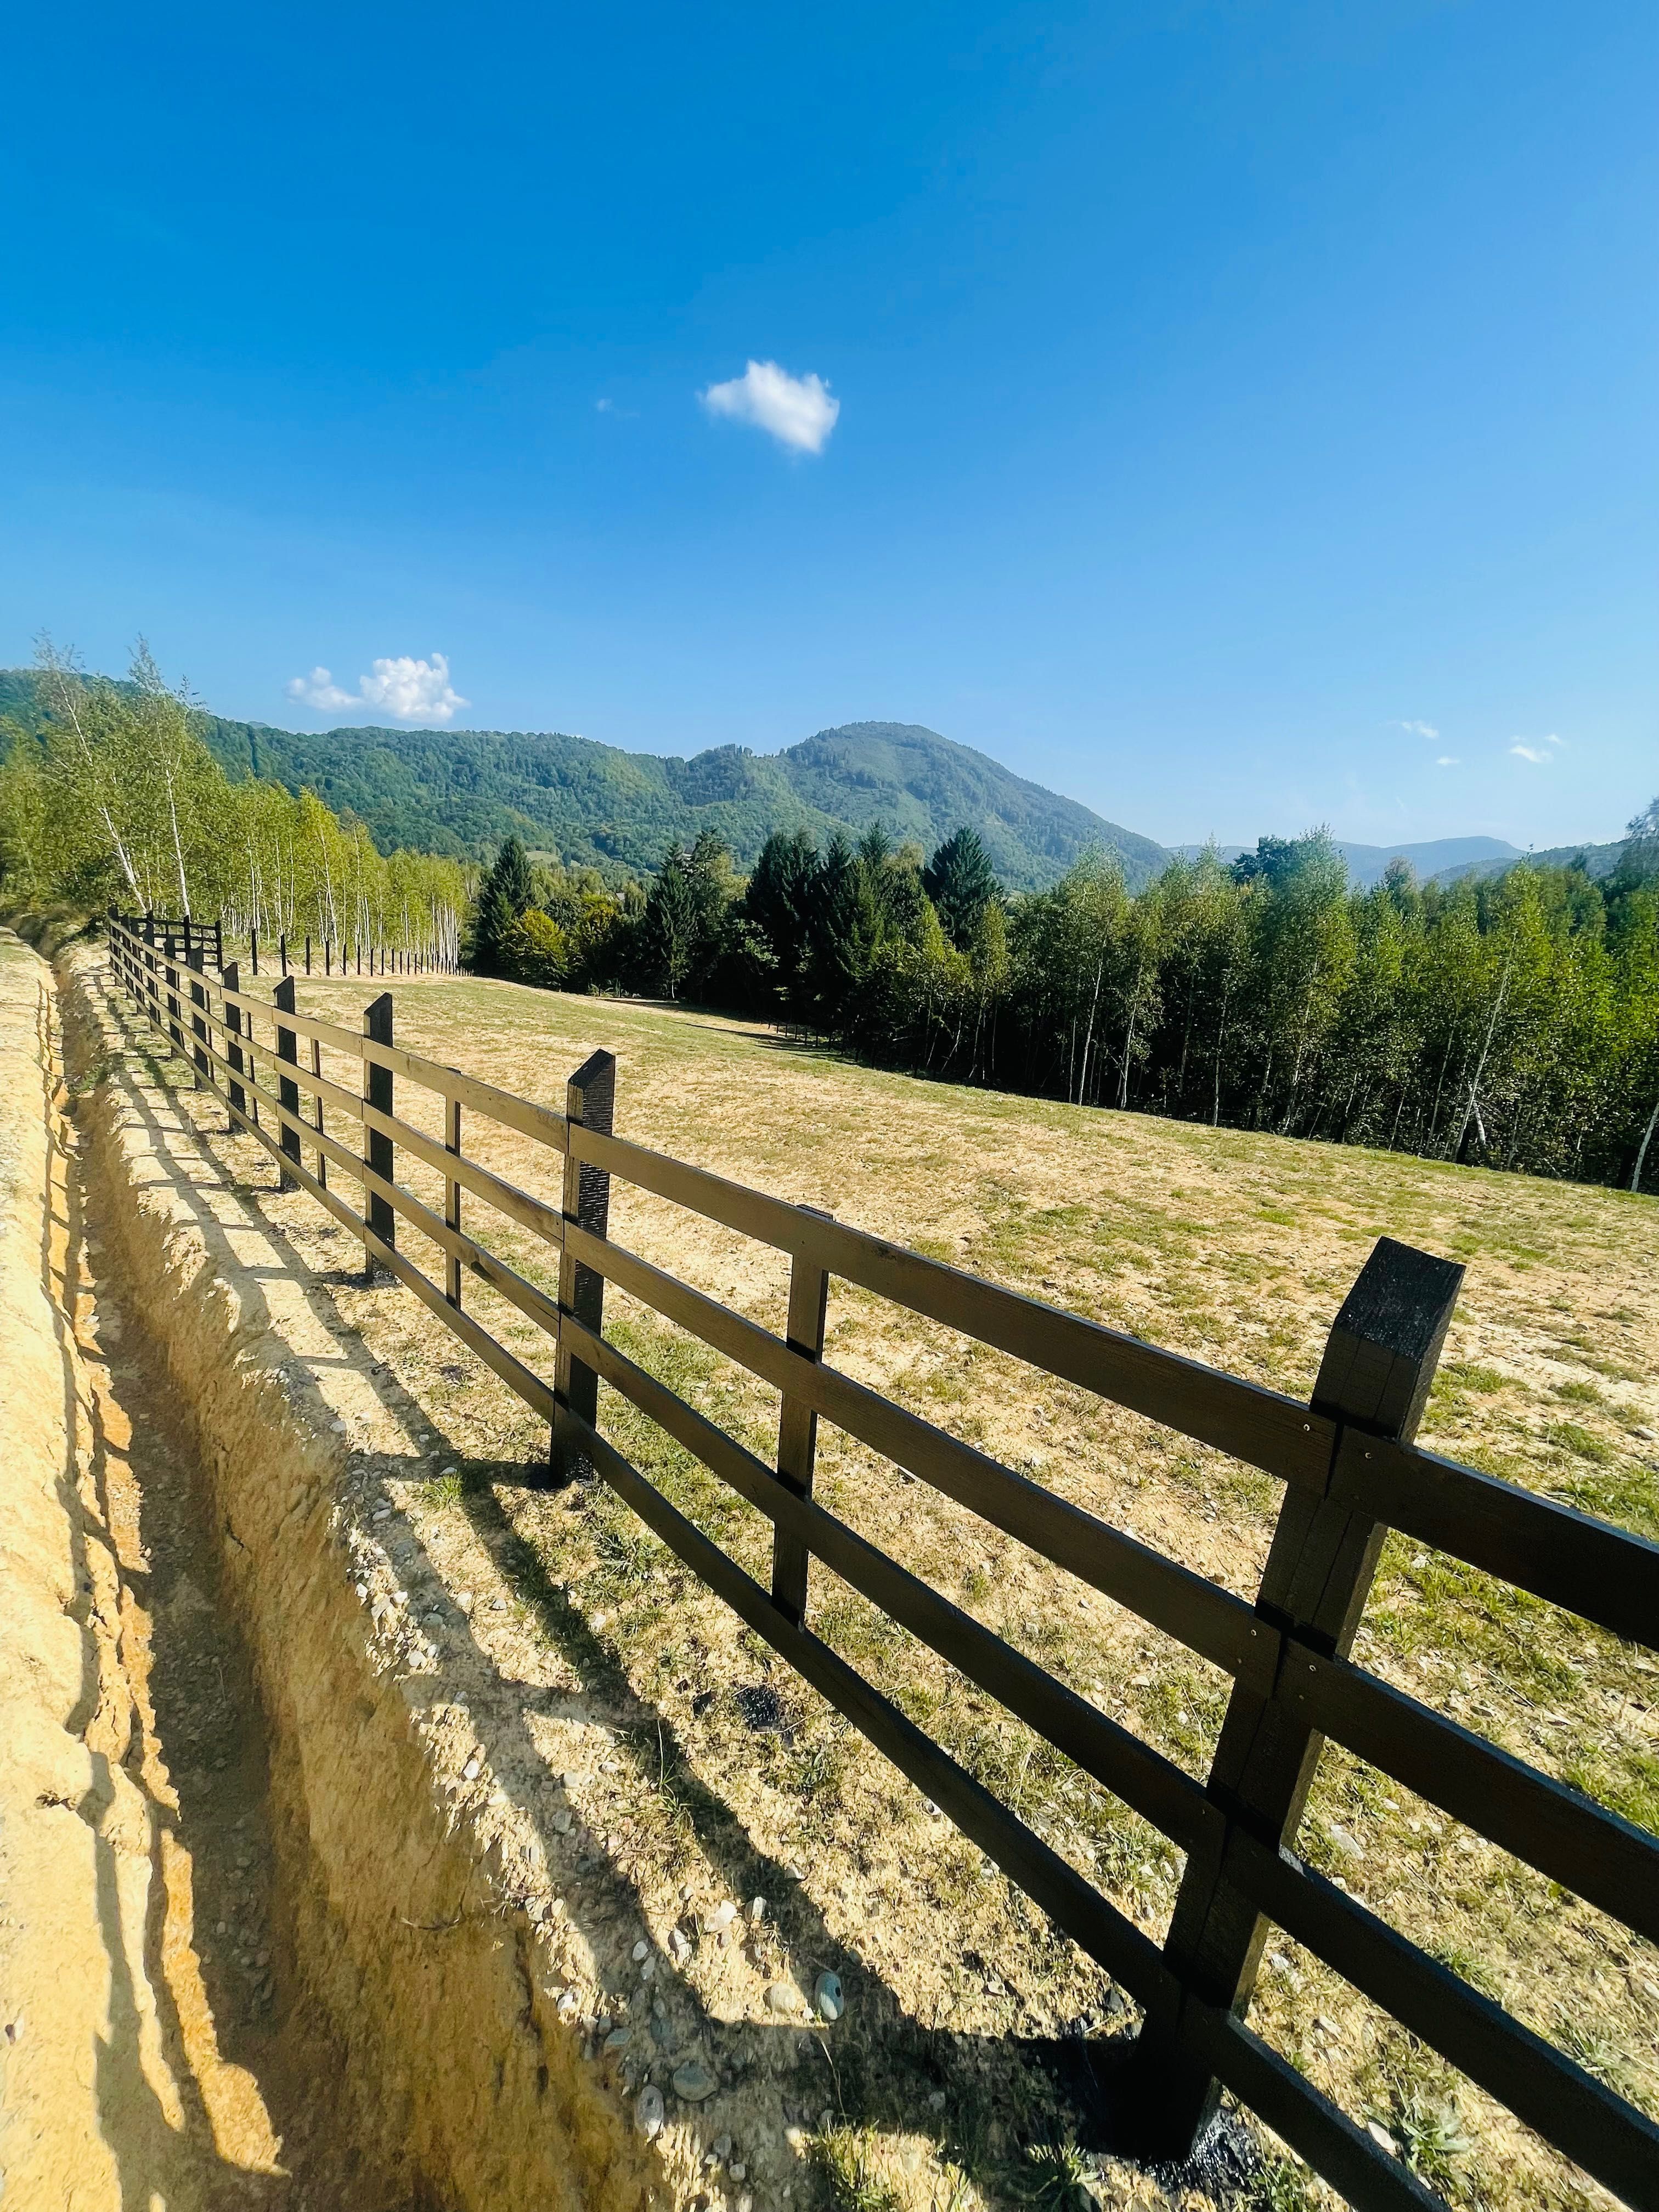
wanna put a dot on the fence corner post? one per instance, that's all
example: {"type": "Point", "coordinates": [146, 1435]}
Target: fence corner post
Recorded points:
{"type": "Point", "coordinates": [797, 1426]}
{"type": "Point", "coordinates": [379, 1156]}
{"type": "Point", "coordinates": [288, 1091]}
{"type": "Point", "coordinates": [590, 1103]}
{"type": "Point", "coordinates": [1378, 1363]}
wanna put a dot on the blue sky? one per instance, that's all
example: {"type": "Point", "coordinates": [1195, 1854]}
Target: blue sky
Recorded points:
{"type": "Point", "coordinates": [1238, 411]}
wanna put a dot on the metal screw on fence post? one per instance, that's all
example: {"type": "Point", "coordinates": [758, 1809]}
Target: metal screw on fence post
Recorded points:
{"type": "Point", "coordinates": [590, 1103]}
{"type": "Point", "coordinates": [797, 1426]}
{"type": "Point", "coordinates": [233, 1051]}
{"type": "Point", "coordinates": [288, 1091]}
{"type": "Point", "coordinates": [1379, 1361]}
{"type": "Point", "coordinates": [378, 1153]}
{"type": "Point", "coordinates": [199, 999]}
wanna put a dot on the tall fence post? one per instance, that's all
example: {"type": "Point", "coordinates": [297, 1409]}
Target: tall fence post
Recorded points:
{"type": "Point", "coordinates": [452, 1199]}
{"type": "Point", "coordinates": [590, 1103]}
{"type": "Point", "coordinates": [232, 981]}
{"type": "Point", "coordinates": [198, 1001]}
{"type": "Point", "coordinates": [798, 1428]}
{"type": "Point", "coordinates": [282, 947]}
{"type": "Point", "coordinates": [253, 945]}
{"type": "Point", "coordinates": [378, 1153]}
{"type": "Point", "coordinates": [288, 1091]}
{"type": "Point", "coordinates": [1379, 1362]}
{"type": "Point", "coordinates": [170, 977]}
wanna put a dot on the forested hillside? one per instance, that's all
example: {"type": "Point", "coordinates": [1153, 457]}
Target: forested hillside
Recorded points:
{"type": "Point", "coordinates": [1514, 1022]}
{"type": "Point", "coordinates": [461, 792]}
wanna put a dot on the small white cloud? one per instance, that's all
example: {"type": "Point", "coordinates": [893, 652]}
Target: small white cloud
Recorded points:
{"type": "Point", "coordinates": [1539, 755]}
{"type": "Point", "coordinates": [797, 410]}
{"type": "Point", "coordinates": [407, 690]}
{"type": "Point", "coordinates": [318, 689]}
{"type": "Point", "coordinates": [1447, 760]}
{"type": "Point", "coordinates": [1420, 729]}
{"type": "Point", "coordinates": [605, 406]}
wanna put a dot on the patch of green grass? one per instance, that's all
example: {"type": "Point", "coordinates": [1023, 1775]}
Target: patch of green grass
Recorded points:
{"type": "Point", "coordinates": [1583, 1443]}
{"type": "Point", "coordinates": [841, 2158]}
{"type": "Point", "coordinates": [1579, 1394]}
{"type": "Point", "coordinates": [1279, 2185]}
{"type": "Point", "coordinates": [1467, 1374]}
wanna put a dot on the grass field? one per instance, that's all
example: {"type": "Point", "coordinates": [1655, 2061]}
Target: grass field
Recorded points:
{"type": "Point", "coordinates": [1235, 1249]}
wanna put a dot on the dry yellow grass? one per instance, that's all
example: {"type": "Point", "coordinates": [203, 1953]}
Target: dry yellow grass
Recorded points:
{"type": "Point", "coordinates": [1237, 1249]}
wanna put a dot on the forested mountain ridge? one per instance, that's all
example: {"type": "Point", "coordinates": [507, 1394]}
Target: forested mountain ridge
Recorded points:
{"type": "Point", "coordinates": [460, 792]}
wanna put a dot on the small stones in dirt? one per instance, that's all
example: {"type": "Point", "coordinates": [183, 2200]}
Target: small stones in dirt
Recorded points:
{"type": "Point", "coordinates": [1380, 2136]}
{"type": "Point", "coordinates": [719, 2151]}
{"type": "Point", "coordinates": [679, 1946]}
{"type": "Point", "coordinates": [693, 2081]}
{"type": "Point", "coordinates": [827, 1998]}
{"type": "Point", "coordinates": [936, 2101]}
{"type": "Point", "coordinates": [619, 2039]}
{"type": "Point", "coordinates": [648, 2112]}
{"type": "Point", "coordinates": [470, 1771]}
{"type": "Point", "coordinates": [783, 1996]}
{"type": "Point", "coordinates": [648, 1970]}
{"type": "Point", "coordinates": [561, 1822]}
{"type": "Point", "coordinates": [570, 2005]}
{"type": "Point", "coordinates": [463, 1599]}
{"type": "Point", "coordinates": [641, 1950]}
{"type": "Point", "coordinates": [381, 1513]}
{"type": "Point", "coordinates": [720, 1920]}
{"type": "Point", "coordinates": [757, 1911]}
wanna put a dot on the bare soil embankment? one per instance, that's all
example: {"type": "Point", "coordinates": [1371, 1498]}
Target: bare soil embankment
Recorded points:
{"type": "Point", "coordinates": [154, 2050]}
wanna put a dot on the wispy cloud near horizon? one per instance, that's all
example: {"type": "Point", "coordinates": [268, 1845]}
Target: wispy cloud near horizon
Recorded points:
{"type": "Point", "coordinates": [1420, 729]}
{"type": "Point", "coordinates": [798, 412]}
{"type": "Point", "coordinates": [407, 690]}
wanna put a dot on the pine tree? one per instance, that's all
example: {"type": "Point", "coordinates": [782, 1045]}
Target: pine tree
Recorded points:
{"type": "Point", "coordinates": [503, 896]}
{"type": "Point", "coordinates": [962, 883]}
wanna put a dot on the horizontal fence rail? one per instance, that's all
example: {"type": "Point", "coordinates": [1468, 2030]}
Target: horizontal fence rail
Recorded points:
{"type": "Point", "coordinates": [1351, 1468]}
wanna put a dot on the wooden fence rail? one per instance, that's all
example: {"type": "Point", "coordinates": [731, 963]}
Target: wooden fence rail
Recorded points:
{"type": "Point", "coordinates": [1351, 1468]}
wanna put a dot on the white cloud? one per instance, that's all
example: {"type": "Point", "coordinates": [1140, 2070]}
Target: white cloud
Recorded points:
{"type": "Point", "coordinates": [1536, 752]}
{"type": "Point", "coordinates": [605, 406]}
{"type": "Point", "coordinates": [407, 690]}
{"type": "Point", "coordinates": [798, 411]}
{"type": "Point", "coordinates": [1420, 729]}
{"type": "Point", "coordinates": [318, 689]}
{"type": "Point", "coordinates": [1447, 760]}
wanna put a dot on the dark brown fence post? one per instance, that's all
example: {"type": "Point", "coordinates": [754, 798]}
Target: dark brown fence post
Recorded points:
{"type": "Point", "coordinates": [590, 1103]}
{"type": "Point", "coordinates": [317, 1069]}
{"type": "Point", "coordinates": [378, 1153]}
{"type": "Point", "coordinates": [282, 947]}
{"type": "Point", "coordinates": [170, 977]}
{"type": "Point", "coordinates": [219, 943]}
{"type": "Point", "coordinates": [797, 1429]}
{"type": "Point", "coordinates": [452, 1198]}
{"type": "Point", "coordinates": [253, 945]}
{"type": "Point", "coordinates": [198, 1001]}
{"type": "Point", "coordinates": [1379, 1361]}
{"type": "Point", "coordinates": [233, 977]}
{"type": "Point", "coordinates": [288, 1091]}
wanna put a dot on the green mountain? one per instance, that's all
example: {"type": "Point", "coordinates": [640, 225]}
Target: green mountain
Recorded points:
{"type": "Point", "coordinates": [460, 792]}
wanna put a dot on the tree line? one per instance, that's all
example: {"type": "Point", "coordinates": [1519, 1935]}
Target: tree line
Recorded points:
{"type": "Point", "coordinates": [1512, 1022]}
{"type": "Point", "coordinates": [117, 802]}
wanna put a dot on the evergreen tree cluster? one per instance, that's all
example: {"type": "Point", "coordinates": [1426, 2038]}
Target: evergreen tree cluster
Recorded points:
{"type": "Point", "coordinates": [1512, 1022]}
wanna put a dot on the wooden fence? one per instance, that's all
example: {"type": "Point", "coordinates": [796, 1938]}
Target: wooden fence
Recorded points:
{"type": "Point", "coordinates": [179, 939]}
{"type": "Point", "coordinates": [1351, 1471]}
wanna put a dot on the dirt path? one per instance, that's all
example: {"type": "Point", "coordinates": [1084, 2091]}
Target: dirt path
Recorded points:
{"type": "Point", "coordinates": [153, 2051]}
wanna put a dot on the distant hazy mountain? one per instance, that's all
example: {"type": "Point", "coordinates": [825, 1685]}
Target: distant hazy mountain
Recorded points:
{"type": "Point", "coordinates": [1440, 858]}
{"type": "Point", "coordinates": [463, 791]}
{"type": "Point", "coordinates": [1596, 861]}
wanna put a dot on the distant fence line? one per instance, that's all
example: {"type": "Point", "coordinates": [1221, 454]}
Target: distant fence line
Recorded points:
{"type": "Point", "coordinates": [181, 938]}
{"type": "Point", "coordinates": [1351, 1468]}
